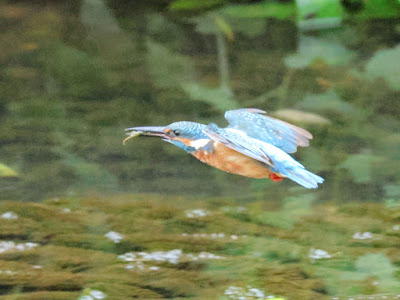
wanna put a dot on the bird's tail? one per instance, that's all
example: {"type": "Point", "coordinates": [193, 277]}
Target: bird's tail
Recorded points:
{"type": "Point", "coordinates": [304, 178]}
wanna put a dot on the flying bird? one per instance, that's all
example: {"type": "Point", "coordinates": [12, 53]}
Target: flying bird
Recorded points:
{"type": "Point", "coordinates": [252, 145]}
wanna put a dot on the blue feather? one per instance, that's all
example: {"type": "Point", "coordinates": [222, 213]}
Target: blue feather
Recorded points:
{"type": "Point", "coordinates": [278, 160]}
{"type": "Point", "coordinates": [267, 129]}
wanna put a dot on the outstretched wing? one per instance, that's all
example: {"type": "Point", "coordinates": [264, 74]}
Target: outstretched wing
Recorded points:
{"type": "Point", "coordinates": [278, 133]}
{"type": "Point", "coordinates": [277, 160]}
{"type": "Point", "coordinates": [237, 142]}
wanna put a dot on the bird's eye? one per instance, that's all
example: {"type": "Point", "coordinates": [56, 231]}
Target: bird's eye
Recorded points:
{"type": "Point", "coordinates": [176, 132]}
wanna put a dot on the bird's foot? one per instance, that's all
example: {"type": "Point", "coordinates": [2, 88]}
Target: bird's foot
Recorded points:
{"type": "Point", "coordinates": [275, 177]}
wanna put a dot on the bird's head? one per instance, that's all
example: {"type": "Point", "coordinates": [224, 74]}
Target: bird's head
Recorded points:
{"type": "Point", "coordinates": [181, 134]}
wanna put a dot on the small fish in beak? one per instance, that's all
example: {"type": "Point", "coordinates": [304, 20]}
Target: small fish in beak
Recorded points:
{"type": "Point", "coordinates": [131, 135]}
{"type": "Point", "coordinates": [158, 131]}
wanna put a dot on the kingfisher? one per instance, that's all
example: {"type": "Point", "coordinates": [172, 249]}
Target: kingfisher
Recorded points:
{"type": "Point", "coordinates": [253, 145]}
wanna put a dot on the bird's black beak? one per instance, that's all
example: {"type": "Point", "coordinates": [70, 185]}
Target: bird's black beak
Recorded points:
{"type": "Point", "coordinates": [147, 131]}
{"type": "Point", "coordinates": [158, 131]}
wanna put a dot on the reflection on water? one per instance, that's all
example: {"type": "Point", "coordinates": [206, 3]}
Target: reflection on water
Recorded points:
{"type": "Point", "coordinates": [77, 75]}
{"type": "Point", "coordinates": [74, 74]}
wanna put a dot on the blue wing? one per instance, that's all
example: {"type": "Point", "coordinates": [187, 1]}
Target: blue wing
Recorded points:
{"type": "Point", "coordinates": [277, 160]}
{"type": "Point", "coordinates": [236, 142]}
{"type": "Point", "coordinates": [278, 133]}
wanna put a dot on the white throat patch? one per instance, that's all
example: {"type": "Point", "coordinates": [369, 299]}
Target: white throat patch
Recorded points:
{"type": "Point", "coordinates": [197, 144]}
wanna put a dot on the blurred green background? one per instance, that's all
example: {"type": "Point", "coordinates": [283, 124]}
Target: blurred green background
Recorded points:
{"type": "Point", "coordinates": [74, 74]}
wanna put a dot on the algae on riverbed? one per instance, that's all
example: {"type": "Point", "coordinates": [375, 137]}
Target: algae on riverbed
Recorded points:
{"type": "Point", "coordinates": [227, 246]}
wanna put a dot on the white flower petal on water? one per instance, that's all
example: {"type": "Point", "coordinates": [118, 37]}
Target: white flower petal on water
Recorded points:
{"type": "Point", "coordinates": [196, 213]}
{"type": "Point", "coordinates": [256, 292]}
{"type": "Point", "coordinates": [127, 256]}
{"type": "Point", "coordinates": [172, 257]}
{"type": "Point", "coordinates": [234, 292]}
{"type": "Point", "coordinates": [6, 246]}
{"type": "Point", "coordinates": [31, 245]}
{"type": "Point", "coordinates": [114, 236]}
{"type": "Point", "coordinates": [362, 236]}
{"type": "Point", "coordinates": [318, 254]}
{"type": "Point", "coordinates": [9, 215]}
{"type": "Point", "coordinates": [97, 294]}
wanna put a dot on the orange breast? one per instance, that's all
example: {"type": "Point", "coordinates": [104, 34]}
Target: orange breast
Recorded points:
{"type": "Point", "coordinates": [231, 161]}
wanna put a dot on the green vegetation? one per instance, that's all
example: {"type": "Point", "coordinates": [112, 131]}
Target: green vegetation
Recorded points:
{"type": "Point", "coordinates": [257, 246]}
{"type": "Point", "coordinates": [7, 171]}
